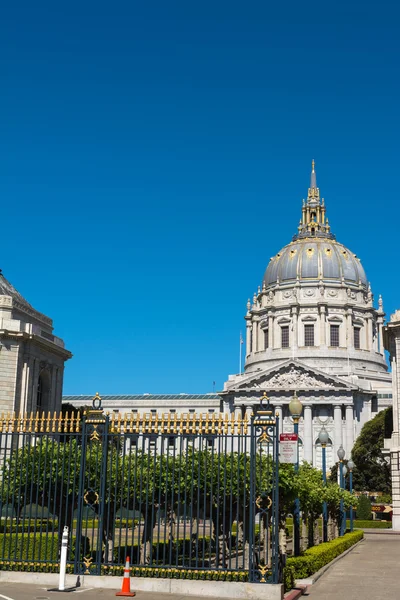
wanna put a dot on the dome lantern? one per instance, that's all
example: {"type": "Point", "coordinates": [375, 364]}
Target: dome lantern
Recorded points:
{"type": "Point", "coordinates": [313, 222]}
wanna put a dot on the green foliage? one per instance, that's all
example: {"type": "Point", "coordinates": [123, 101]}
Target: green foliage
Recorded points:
{"type": "Point", "coordinates": [385, 499]}
{"type": "Point", "coordinates": [358, 524]}
{"type": "Point", "coordinates": [364, 512]}
{"type": "Point", "coordinates": [29, 547]}
{"type": "Point", "coordinates": [316, 557]}
{"type": "Point", "coordinates": [372, 472]}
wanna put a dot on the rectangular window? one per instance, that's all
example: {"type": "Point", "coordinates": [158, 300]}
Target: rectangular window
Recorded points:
{"type": "Point", "coordinates": [285, 336]}
{"type": "Point", "coordinates": [335, 335]}
{"type": "Point", "coordinates": [265, 339]}
{"type": "Point", "coordinates": [357, 338]}
{"type": "Point", "coordinates": [251, 340]}
{"type": "Point", "coordinates": [309, 335]}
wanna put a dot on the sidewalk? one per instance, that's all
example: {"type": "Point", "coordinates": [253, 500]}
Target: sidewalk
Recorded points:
{"type": "Point", "coordinates": [370, 572]}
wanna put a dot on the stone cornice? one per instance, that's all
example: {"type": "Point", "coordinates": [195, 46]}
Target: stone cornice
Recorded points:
{"type": "Point", "coordinates": [39, 341]}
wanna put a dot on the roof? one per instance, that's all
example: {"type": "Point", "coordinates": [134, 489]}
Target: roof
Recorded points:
{"type": "Point", "coordinates": [7, 289]}
{"type": "Point", "coordinates": [78, 398]}
{"type": "Point", "coordinates": [318, 260]}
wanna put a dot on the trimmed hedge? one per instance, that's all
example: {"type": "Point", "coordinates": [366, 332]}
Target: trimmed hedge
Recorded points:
{"type": "Point", "coordinates": [29, 547]}
{"type": "Point", "coordinates": [317, 557]}
{"type": "Point", "coordinates": [358, 524]}
{"type": "Point", "coordinates": [40, 552]}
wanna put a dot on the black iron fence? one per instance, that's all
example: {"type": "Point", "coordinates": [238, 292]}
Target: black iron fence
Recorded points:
{"type": "Point", "coordinates": [192, 496]}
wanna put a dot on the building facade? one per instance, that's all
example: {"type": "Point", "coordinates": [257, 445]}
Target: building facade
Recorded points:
{"type": "Point", "coordinates": [311, 327]}
{"type": "Point", "coordinates": [392, 344]}
{"type": "Point", "coordinates": [31, 357]}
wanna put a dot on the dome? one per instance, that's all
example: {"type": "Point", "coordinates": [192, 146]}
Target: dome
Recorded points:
{"type": "Point", "coordinates": [314, 254]}
{"type": "Point", "coordinates": [315, 260]}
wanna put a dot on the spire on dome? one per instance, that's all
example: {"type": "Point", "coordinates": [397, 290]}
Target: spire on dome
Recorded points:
{"type": "Point", "coordinates": [313, 181]}
{"type": "Point", "coordinates": [313, 222]}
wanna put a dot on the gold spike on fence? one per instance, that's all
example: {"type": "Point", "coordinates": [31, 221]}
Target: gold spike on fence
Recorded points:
{"type": "Point", "coordinates": [150, 423]}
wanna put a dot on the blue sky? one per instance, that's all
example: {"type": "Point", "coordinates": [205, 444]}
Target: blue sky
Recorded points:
{"type": "Point", "coordinates": [154, 155]}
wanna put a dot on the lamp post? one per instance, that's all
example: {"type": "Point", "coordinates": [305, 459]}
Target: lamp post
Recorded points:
{"type": "Point", "coordinates": [295, 409]}
{"type": "Point", "coordinates": [341, 454]}
{"type": "Point", "coordinates": [323, 439]}
{"type": "Point", "coordinates": [350, 466]}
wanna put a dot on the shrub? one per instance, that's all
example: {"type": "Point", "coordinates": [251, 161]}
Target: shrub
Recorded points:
{"type": "Point", "coordinates": [357, 524]}
{"type": "Point", "coordinates": [34, 550]}
{"type": "Point", "coordinates": [364, 508]}
{"type": "Point", "coordinates": [316, 557]}
{"type": "Point", "coordinates": [29, 547]}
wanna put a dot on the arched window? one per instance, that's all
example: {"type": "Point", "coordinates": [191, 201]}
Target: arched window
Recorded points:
{"type": "Point", "coordinates": [43, 392]}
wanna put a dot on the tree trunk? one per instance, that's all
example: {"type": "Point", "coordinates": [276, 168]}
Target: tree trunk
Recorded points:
{"type": "Point", "coordinates": [316, 532]}
{"type": "Point", "coordinates": [282, 537]}
{"type": "Point", "coordinates": [304, 535]}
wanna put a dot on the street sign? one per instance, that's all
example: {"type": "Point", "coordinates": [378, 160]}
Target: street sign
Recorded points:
{"type": "Point", "coordinates": [288, 447]}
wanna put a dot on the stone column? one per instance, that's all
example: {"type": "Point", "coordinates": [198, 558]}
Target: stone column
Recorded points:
{"type": "Point", "coordinates": [227, 407]}
{"type": "Point", "coordinates": [295, 328]}
{"type": "Point", "coordinates": [308, 434]}
{"type": "Point", "coordinates": [53, 390]}
{"type": "Point", "coordinates": [248, 337]}
{"type": "Point", "coordinates": [349, 333]}
{"type": "Point", "coordinates": [322, 326]}
{"type": "Point", "coordinates": [337, 417]}
{"type": "Point", "coordinates": [23, 406]}
{"type": "Point", "coordinates": [255, 336]}
{"type": "Point", "coordinates": [279, 412]}
{"type": "Point", "coordinates": [376, 338]}
{"type": "Point", "coordinates": [349, 429]}
{"type": "Point", "coordinates": [381, 346]}
{"type": "Point", "coordinates": [271, 325]}
{"type": "Point", "coordinates": [371, 333]}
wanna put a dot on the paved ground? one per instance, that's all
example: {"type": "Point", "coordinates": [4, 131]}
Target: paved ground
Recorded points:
{"type": "Point", "coordinates": [15, 591]}
{"type": "Point", "coordinates": [370, 572]}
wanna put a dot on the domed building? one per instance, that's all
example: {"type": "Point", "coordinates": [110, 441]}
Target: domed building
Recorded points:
{"type": "Point", "coordinates": [312, 328]}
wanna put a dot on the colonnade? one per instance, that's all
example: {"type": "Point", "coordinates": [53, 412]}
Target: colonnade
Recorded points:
{"type": "Point", "coordinates": [342, 431]}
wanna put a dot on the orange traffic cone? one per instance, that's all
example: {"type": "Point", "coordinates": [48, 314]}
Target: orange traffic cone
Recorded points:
{"type": "Point", "coordinates": [126, 582]}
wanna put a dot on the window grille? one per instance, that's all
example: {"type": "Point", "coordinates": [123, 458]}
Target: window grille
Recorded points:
{"type": "Point", "coordinates": [335, 336]}
{"type": "Point", "coordinates": [285, 336]}
{"type": "Point", "coordinates": [265, 339]}
{"type": "Point", "coordinates": [357, 338]}
{"type": "Point", "coordinates": [309, 335]}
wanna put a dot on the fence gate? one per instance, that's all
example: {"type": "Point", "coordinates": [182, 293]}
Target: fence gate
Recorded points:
{"type": "Point", "coordinates": [264, 495]}
{"type": "Point", "coordinates": [190, 496]}
{"type": "Point", "coordinates": [92, 523]}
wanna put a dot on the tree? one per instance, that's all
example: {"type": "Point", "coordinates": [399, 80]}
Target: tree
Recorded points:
{"type": "Point", "coordinates": [371, 472]}
{"type": "Point", "coordinates": [364, 508]}
{"type": "Point", "coordinates": [367, 455]}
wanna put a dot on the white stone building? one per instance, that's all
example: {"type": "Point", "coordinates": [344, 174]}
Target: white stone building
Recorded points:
{"type": "Point", "coordinates": [31, 357]}
{"type": "Point", "coordinates": [311, 327]}
{"type": "Point", "coordinates": [392, 344]}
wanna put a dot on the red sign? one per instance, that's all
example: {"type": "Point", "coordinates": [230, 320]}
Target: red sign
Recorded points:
{"type": "Point", "coordinates": [288, 437]}
{"type": "Point", "coordinates": [288, 447]}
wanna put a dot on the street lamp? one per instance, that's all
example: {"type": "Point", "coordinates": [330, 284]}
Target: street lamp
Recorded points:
{"type": "Point", "coordinates": [350, 466]}
{"type": "Point", "coordinates": [323, 440]}
{"type": "Point", "coordinates": [295, 409]}
{"type": "Point", "coordinates": [341, 454]}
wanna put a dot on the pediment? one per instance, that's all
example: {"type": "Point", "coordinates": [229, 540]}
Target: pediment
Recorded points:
{"type": "Point", "coordinates": [292, 375]}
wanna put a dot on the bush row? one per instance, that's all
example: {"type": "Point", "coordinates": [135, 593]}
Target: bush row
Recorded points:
{"type": "Point", "coordinates": [370, 524]}
{"type": "Point", "coordinates": [317, 557]}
